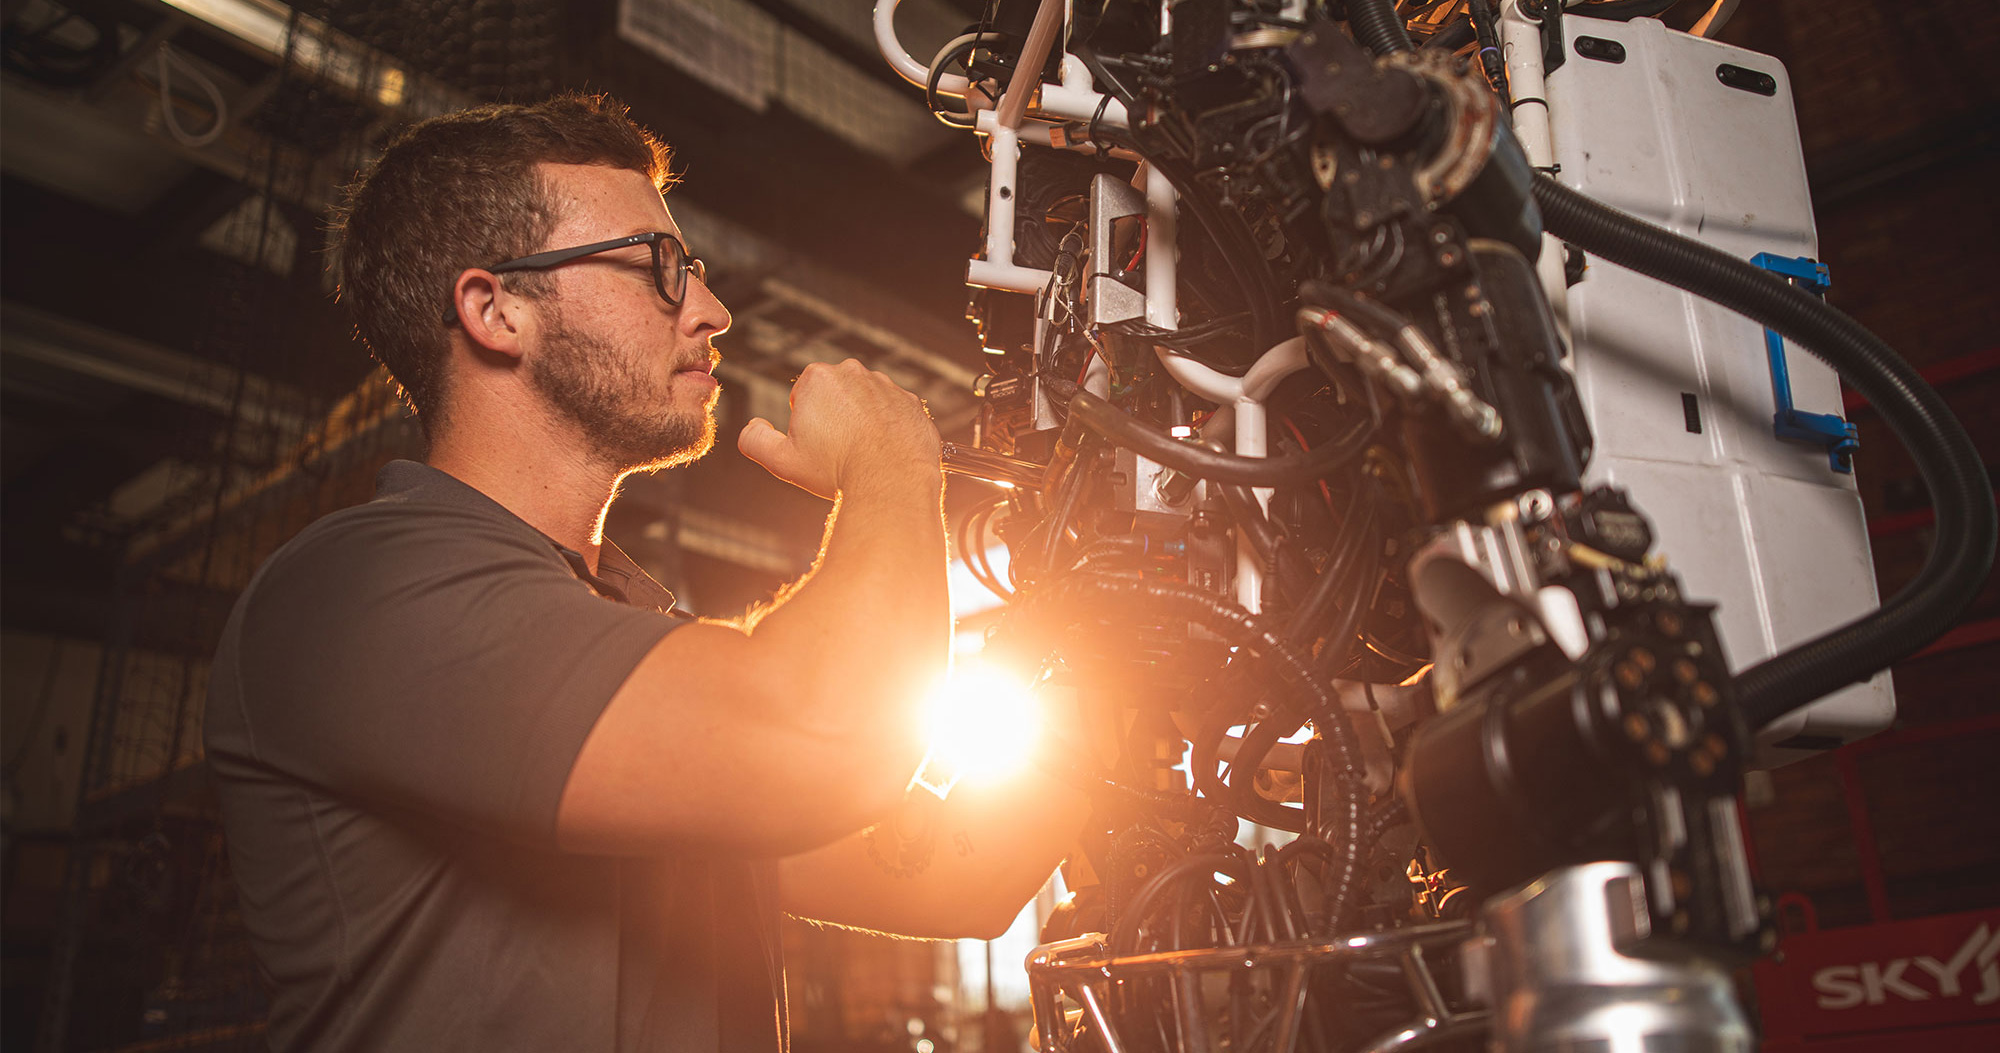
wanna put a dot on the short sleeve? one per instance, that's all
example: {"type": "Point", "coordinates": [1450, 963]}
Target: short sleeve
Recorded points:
{"type": "Point", "coordinates": [445, 663]}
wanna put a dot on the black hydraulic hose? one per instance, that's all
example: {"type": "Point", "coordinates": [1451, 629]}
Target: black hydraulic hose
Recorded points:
{"type": "Point", "coordinates": [1339, 644]}
{"type": "Point", "coordinates": [1125, 934]}
{"type": "Point", "coordinates": [1287, 667]}
{"type": "Point", "coordinates": [1355, 543]}
{"type": "Point", "coordinates": [1452, 37]}
{"type": "Point", "coordinates": [1291, 470]}
{"type": "Point", "coordinates": [1961, 554]}
{"type": "Point", "coordinates": [1274, 550]}
{"type": "Point", "coordinates": [1378, 27]}
{"type": "Point", "coordinates": [1246, 265]}
{"type": "Point", "coordinates": [1243, 767]}
{"type": "Point", "coordinates": [1264, 535]}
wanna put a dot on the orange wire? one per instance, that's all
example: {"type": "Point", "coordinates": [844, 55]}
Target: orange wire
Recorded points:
{"type": "Point", "coordinates": [1323, 488]}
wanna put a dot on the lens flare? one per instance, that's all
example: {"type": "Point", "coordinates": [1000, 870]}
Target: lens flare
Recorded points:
{"type": "Point", "coordinates": [984, 724]}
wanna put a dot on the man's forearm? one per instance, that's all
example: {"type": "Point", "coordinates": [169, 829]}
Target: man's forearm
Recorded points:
{"type": "Point", "coordinates": [865, 635]}
{"type": "Point", "coordinates": [958, 867]}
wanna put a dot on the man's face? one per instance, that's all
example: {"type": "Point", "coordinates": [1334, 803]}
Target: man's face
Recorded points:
{"type": "Point", "coordinates": [634, 374]}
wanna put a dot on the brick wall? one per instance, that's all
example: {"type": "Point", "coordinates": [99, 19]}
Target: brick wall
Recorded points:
{"type": "Point", "coordinates": [1900, 117]}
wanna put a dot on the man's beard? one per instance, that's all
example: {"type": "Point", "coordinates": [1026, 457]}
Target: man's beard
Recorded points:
{"type": "Point", "coordinates": [612, 400]}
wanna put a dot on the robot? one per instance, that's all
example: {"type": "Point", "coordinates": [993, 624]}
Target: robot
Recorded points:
{"type": "Point", "coordinates": [1414, 428]}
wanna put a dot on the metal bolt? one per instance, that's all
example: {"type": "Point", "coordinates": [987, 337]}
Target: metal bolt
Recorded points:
{"type": "Point", "coordinates": [1636, 728]}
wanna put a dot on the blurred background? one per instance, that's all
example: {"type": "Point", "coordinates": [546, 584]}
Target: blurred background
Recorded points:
{"type": "Point", "coordinates": [180, 394]}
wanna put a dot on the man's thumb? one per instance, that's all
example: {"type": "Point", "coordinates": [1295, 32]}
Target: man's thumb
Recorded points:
{"type": "Point", "coordinates": [761, 442]}
{"type": "Point", "coordinates": [775, 450]}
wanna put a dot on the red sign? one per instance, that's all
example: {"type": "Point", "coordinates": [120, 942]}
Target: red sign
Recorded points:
{"type": "Point", "coordinates": [1897, 976]}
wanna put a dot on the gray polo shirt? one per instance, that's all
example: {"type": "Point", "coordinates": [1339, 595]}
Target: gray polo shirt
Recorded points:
{"type": "Point", "coordinates": [393, 712]}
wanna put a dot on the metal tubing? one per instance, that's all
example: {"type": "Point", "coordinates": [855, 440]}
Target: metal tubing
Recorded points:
{"type": "Point", "coordinates": [899, 58]}
{"type": "Point", "coordinates": [1162, 251]}
{"type": "Point", "coordinates": [1247, 394]}
{"type": "Point", "coordinates": [1093, 1009]}
{"type": "Point", "coordinates": [1028, 71]}
{"type": "Point", "coordinates": [1521, 46]}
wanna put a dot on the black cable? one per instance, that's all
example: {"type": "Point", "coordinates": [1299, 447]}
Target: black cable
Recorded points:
{"type": "Point", "coordinates": [1356, 540]}
{"type": "Point", "coordinates": [1244, 261]}
{"type": "Point", "coordinates": [1290, 470]}
{"type": "Point", "coordinates": [1125, 934]}
{"type": "Point", "coordinates": [1242, 782]}
{"type": "Point", "coordinates": [1056, 527]}
{"type": "Point", "coordinates": [1290, 671]}
{"type": "Point", "coordinates": [1961, 553]}
{"type": "Point", "coordinates": [1332, 658]}
{"type": "Point", "coordinates": [937, 75]}
{"type": "Point", "coordinates": [1274, 550]}
{"type": "Point", "coordinates": [1452, 37]}
{"type": "Point", "coordinates": [972, 549]}
{"type": "Point", "coordinates": [1113, 87]}
{"type": "Point", "coordinates": [1378, 27]}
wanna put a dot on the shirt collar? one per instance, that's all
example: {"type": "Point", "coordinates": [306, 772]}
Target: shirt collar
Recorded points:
{"type": "Point", "coordinates": [618, 577]}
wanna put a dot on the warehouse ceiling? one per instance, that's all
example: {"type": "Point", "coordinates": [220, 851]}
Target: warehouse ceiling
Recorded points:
{"type": "Point", "coordinates": [166, 326]}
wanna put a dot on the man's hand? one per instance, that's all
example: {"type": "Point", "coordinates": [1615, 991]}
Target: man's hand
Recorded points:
{"type": "Point", "coordinates": [851, 428]}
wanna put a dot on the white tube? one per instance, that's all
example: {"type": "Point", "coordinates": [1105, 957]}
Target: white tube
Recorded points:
{"type": "Point", "coordinates": [1711, 23]}
{"type": "Point", "coordinates": [997, 270]}
{"type": "Point", "coordinates": [1028, 70]}
{"type": "Point", "coordinates": [1245, 395]}
{"type": "Point", "coordinates": [1162, 251]}
{"type": "Point", "coordinates": [1072, 100]}
{"type": "Point", "coordinates": [1000, 196]}
{"type": "Point", "coordinates": [899, 59]}
{"type": "Point", "coordinates": [1521, 47]}
{"type": "Point", "coordinates": [1062, 102]}
{"type": "Point", "coordinates": [1075, 75]}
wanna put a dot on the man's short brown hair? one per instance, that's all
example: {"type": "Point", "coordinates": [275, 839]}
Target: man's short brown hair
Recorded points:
{"type": "Point", "coordinates": [461, 191]}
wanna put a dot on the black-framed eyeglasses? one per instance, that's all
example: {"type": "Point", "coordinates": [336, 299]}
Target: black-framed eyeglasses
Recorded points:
{"type": "Point", "coordinates": [671, 264]}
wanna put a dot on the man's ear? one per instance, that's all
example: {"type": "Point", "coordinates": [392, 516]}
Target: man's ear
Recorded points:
{"type": "Point", "coordinates": [490, 315]}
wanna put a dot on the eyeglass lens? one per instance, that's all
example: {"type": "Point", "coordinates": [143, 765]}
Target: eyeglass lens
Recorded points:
{"type": "Point", "coordinates": [671, 265]}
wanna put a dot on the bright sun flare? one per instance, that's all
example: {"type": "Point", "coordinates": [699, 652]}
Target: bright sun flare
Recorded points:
{"type": "Point", "coordinates": [984, 723]}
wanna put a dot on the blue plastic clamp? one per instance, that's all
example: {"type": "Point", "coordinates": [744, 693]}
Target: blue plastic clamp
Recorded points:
{"type": "Point", "coordinates": [1830, 431]}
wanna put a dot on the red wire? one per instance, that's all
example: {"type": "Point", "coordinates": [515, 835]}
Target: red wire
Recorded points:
{"type": "Point", "coordinates": [1323, 489]}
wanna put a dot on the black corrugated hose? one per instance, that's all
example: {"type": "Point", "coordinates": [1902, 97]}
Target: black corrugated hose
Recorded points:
{"type": "Point", "coordinates": [1286, 667]}
{"type": "Point", "coordinates": [1378, 27]}
{"type": "Point", "coordinates": [1961, 553]}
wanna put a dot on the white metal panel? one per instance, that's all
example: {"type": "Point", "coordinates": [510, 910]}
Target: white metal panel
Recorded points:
{"type": "Point", "coordinates": [1762, 527]}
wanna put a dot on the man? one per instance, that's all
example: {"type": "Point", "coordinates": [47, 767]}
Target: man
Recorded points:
{"type": "Point", "coordinates": [482, 791]}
